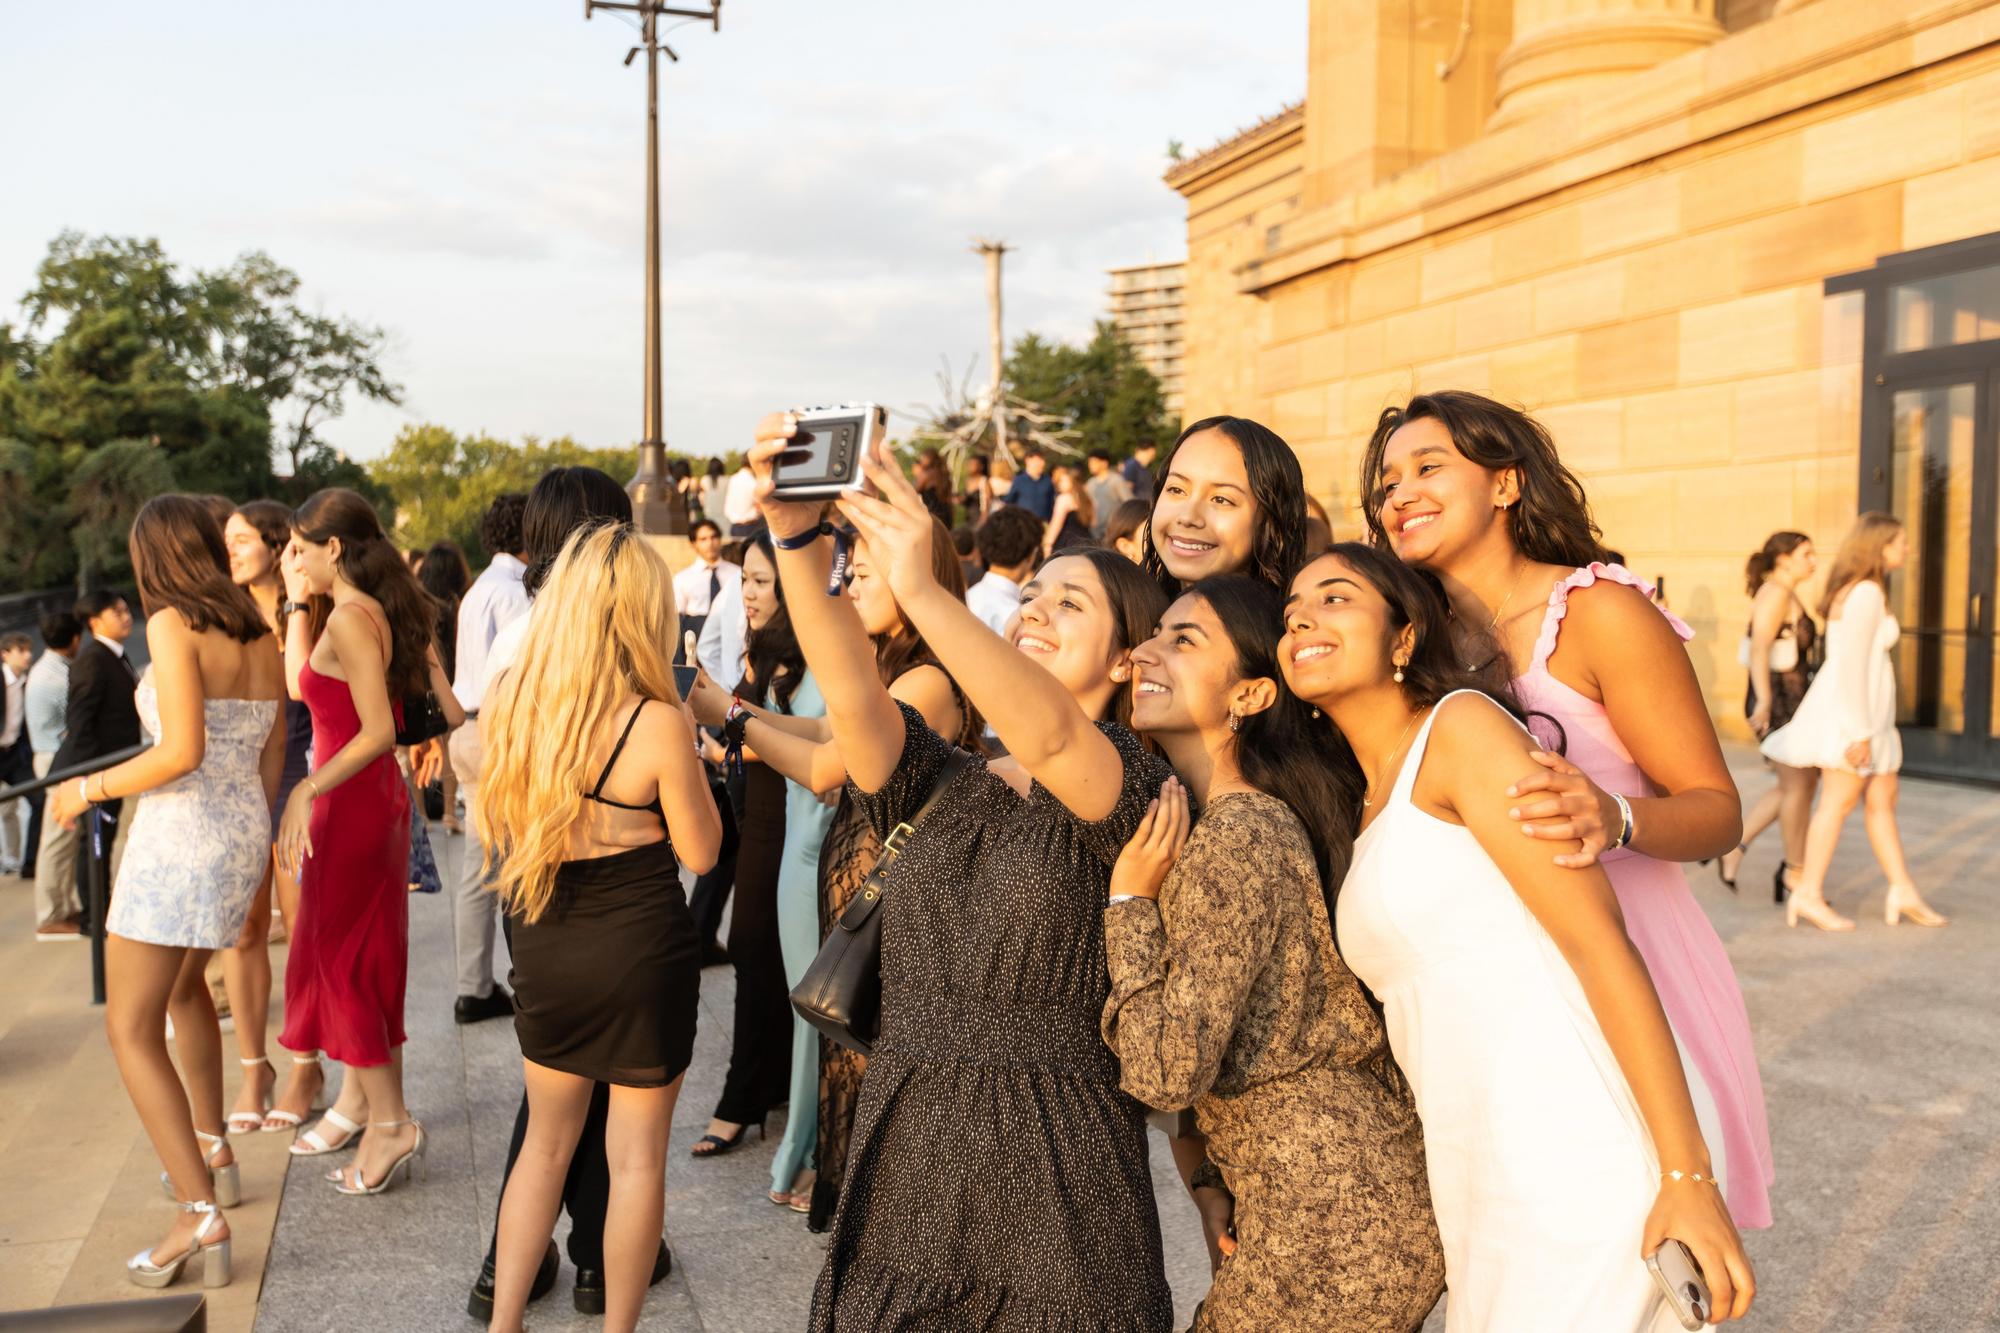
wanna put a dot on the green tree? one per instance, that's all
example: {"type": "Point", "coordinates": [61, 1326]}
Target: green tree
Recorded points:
{"type": "Point", "coordinates": [117, 343]}
{"type": "Point", "coordinates": [1112, 401]}
{"type": "Point", "coordinates": [107, 489]}
{"type": "Point", "coordinates": [441, 482]}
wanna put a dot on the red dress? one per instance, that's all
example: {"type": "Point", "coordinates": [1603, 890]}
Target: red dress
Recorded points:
{"type": "Point", "coordinates": [350, 953]}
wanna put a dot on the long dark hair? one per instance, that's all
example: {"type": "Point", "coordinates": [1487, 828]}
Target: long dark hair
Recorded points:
{"type": "Point", "coordinates": [1550, 524]}
{"type": "Point", "coordinates": [179, 561]}
{"type": "Point", "coordinates": [444, 573]}
{"type": "Point", "coordinates": [1416, 601]}
{"type": "Point", "coordinates": [1136, 603]}
{"type": "Point", "coordinates": [1276, 484]}
{"type": "Point", "coordinates": [370, 563]}
{"type": "Point", "coordinates": [1765, 560]}
{"type": "Point", "coordinates": [565, 499]}
{"type": "Point", "coordinates": [1281, 751]}
{"type": "Point", "coordinates": [775, 662]}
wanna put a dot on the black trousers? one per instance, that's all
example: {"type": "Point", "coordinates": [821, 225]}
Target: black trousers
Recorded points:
{"type": "Point", "coordinates": [17, 764]}
{"type": "Point", "coordinates": [586, 1190]}
{"type": "Point", "coordinates": [711, 891]}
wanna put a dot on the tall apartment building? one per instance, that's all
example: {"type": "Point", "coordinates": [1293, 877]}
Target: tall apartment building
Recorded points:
{"type": "Point", "coordinates": [1146, 307]}
{"type": "Point", "coordinates": [1741, 256]}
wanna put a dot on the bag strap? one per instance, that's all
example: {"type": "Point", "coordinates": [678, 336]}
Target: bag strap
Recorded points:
{"type": "Point", "coordinates": [870, 894]}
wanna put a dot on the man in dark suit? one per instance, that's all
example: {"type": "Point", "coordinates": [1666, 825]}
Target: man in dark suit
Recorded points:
{"type": "Point", "coordinates": [102, 716]}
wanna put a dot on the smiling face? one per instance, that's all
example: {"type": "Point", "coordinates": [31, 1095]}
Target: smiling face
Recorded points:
{"type": "Point", "coordinates": [1205, 519]}
{"type": "Point", "coordinates": [1183, 674]}
{"type": "Point", "coordinates": [760, 587]}
{"type": "Point", "coordinates": [249, 558]}
{"type": "Point", "coordinates": [1436, 502]}
{"type": "Point", "coordinates": [1066, 623]}
{"type": "Point", "coordinates": [319, 561]}
{"type": "Point", "coordinates": [1338, 635]}
{"type": "Point", "coordinates": [873, 601]}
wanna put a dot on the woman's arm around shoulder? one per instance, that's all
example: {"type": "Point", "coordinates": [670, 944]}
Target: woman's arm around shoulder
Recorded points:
{"type": "Point", "coordinates": [1632, 656]}
{"type": "Point", "coordinates": [693, 824]}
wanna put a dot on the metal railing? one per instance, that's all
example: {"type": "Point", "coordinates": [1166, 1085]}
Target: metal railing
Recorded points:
{"type": "Point", "coordinates": [100, 830]}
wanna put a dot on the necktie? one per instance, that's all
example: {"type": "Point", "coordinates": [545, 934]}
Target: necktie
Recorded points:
{"type": "Point", "coordinates": [714, 586]}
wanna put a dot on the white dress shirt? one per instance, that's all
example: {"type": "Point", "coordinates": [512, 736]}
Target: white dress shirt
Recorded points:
{"type": "Point", "coordinates": [739, 501]}
{"type": "Point", "coordinates": [719, 651]}
{"type": "Point", "coordinates": [47, 702]}
{"type": "Point", "coordinates": [16, 683]}
{"type": "Point", "coordinates": [994, 599]}
{"type": "Point", "coordinates": [691, 585]}
{"type": "Point", "coordinates": [495, 599]}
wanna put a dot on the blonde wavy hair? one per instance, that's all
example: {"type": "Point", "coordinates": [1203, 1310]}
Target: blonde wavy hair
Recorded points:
{"type": "Point", "coordinates": [603, 629]}
{"type": "Point", "coordinates": [1860, 556]}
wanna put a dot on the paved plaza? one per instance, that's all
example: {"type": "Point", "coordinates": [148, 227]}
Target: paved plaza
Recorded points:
{"type": "Point", "coordinates": [1879, 1050]}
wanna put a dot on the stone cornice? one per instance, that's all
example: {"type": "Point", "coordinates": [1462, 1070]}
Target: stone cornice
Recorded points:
{"type": "Point", "coordinates": [1781, 66]}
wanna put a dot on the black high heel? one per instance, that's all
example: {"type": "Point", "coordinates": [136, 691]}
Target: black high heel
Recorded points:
{"type": "Point", "coordinates": [723, 1146]}
{"type": "Point", "coordinates": [1727, 882]}
{"type": "Point", "coordinates": [1780, 891]}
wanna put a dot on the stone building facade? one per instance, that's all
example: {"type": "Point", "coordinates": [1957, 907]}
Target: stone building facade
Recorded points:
{"type": "Point", "coordinates": [1742, 258]}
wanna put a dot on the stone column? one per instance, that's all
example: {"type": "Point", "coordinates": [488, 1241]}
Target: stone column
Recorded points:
{"type": "Point", "coordinates": [1566, 48]}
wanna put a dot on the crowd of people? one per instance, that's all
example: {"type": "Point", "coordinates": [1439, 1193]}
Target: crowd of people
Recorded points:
{"type": "Point", "coordinates": [1172, 804]}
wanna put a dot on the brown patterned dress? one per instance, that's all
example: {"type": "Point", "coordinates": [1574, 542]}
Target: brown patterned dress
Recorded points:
{"type": "Point", "coordinates": [1229, 995]}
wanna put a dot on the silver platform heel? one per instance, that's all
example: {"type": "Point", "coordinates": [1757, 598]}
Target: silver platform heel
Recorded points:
{"type": "Point", "coordinates": [227, 1181]}
{"type": "Point", "coordinates": [349, 1180]}
{"type": "Point", "coordinates": [212, 1255]}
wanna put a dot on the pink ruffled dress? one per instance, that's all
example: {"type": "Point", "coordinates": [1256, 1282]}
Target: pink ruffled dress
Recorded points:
{"type": "Point", "coordinates": [1689, 966]}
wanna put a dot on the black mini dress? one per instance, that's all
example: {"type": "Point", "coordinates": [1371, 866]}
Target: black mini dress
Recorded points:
{"type": "Point", "coordinates": [607, 982]}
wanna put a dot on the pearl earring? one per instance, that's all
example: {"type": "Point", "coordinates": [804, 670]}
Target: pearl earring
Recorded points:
{"type": "Point", "coordinates": [1399, 673]}
{"type": "Point", "coordinates": [1315, 710]}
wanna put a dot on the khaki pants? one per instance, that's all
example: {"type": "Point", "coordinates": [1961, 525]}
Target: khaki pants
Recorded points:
{"type": "Point", "coordinates": [55, 865]}
{"type": "Point", "coordinates": [475, 909]}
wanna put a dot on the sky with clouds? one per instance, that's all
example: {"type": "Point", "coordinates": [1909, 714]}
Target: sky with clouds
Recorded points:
{"type": "Point", "coordinates": [468, 176]}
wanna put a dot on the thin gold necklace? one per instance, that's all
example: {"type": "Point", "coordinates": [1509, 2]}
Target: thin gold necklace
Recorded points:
{"type": "Point", "coordinates": [1368, 800]}
{"type": "Point", "coordinates": [1508, 598]}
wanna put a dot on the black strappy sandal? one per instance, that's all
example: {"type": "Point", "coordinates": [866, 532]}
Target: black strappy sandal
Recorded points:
{"type": "Point", "coordinates": [719, 1145]}
{"type": "Point", "coordinates": [1727, 882]}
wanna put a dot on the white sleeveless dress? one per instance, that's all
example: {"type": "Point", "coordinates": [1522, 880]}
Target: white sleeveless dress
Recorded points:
{"type": "Point", "coordinates": [1541, 1169]}
{"type": "Point", "coordinates": [198, 845]}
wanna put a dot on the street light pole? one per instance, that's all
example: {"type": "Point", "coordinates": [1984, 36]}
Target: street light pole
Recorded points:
{"type": "Point", "coordinates": [657, 508]}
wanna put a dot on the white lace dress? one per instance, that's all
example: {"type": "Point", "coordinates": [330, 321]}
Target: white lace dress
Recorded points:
{"type": "Point", "coordinates": [1853, 698]}
{"type": "Point", "coordinates": [198, 844]}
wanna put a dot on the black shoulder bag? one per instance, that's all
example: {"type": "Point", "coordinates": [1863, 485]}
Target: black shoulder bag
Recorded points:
{"type": "Point", "coordinates": [841, 992]}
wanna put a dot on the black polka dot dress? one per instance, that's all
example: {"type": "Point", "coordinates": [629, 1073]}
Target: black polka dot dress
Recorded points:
{"type": "Point", "coordinates": [998, 1176]}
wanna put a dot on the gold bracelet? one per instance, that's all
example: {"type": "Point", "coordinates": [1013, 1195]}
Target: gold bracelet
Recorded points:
{"type": "Point", "coordinates": [102, 794]}
{"type": "Point", "coordinates": [314, 785]}
{"type": "Point", "coordinates": [1696, 1176]}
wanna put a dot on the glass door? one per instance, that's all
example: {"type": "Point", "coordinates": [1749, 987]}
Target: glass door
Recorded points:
{"type": "Point", "coordinates": [1941, 482]}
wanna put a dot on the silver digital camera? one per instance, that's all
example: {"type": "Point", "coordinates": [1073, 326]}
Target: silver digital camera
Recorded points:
{"type": "Point", "coordinates": [824, 459]}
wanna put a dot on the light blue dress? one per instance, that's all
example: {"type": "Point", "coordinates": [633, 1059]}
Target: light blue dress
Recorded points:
{"type": "Point", "coordinates": [806, 822]}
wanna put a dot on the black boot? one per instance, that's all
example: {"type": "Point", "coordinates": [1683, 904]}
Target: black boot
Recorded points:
{"type": "Point", "coordinates": [589, 1297]}
{"type": "Point", "coordinates": [480, 1305]}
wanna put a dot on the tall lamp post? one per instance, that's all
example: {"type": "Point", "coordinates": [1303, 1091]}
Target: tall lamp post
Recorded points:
{"type": "Point", "coordinates": [657, 508]}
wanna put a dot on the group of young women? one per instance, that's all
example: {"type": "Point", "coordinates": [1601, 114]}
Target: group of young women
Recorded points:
{"type": "Point", "coordinates": [1366, 854]}
{"type": "Point", "coordinates": [1255, 847]}
{"type": "Point", "coordinates": [226, 779]}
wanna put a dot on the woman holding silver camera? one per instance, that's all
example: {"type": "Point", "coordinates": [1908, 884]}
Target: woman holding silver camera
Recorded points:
{"type": "Point", "coordinates": [998, 1176]}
